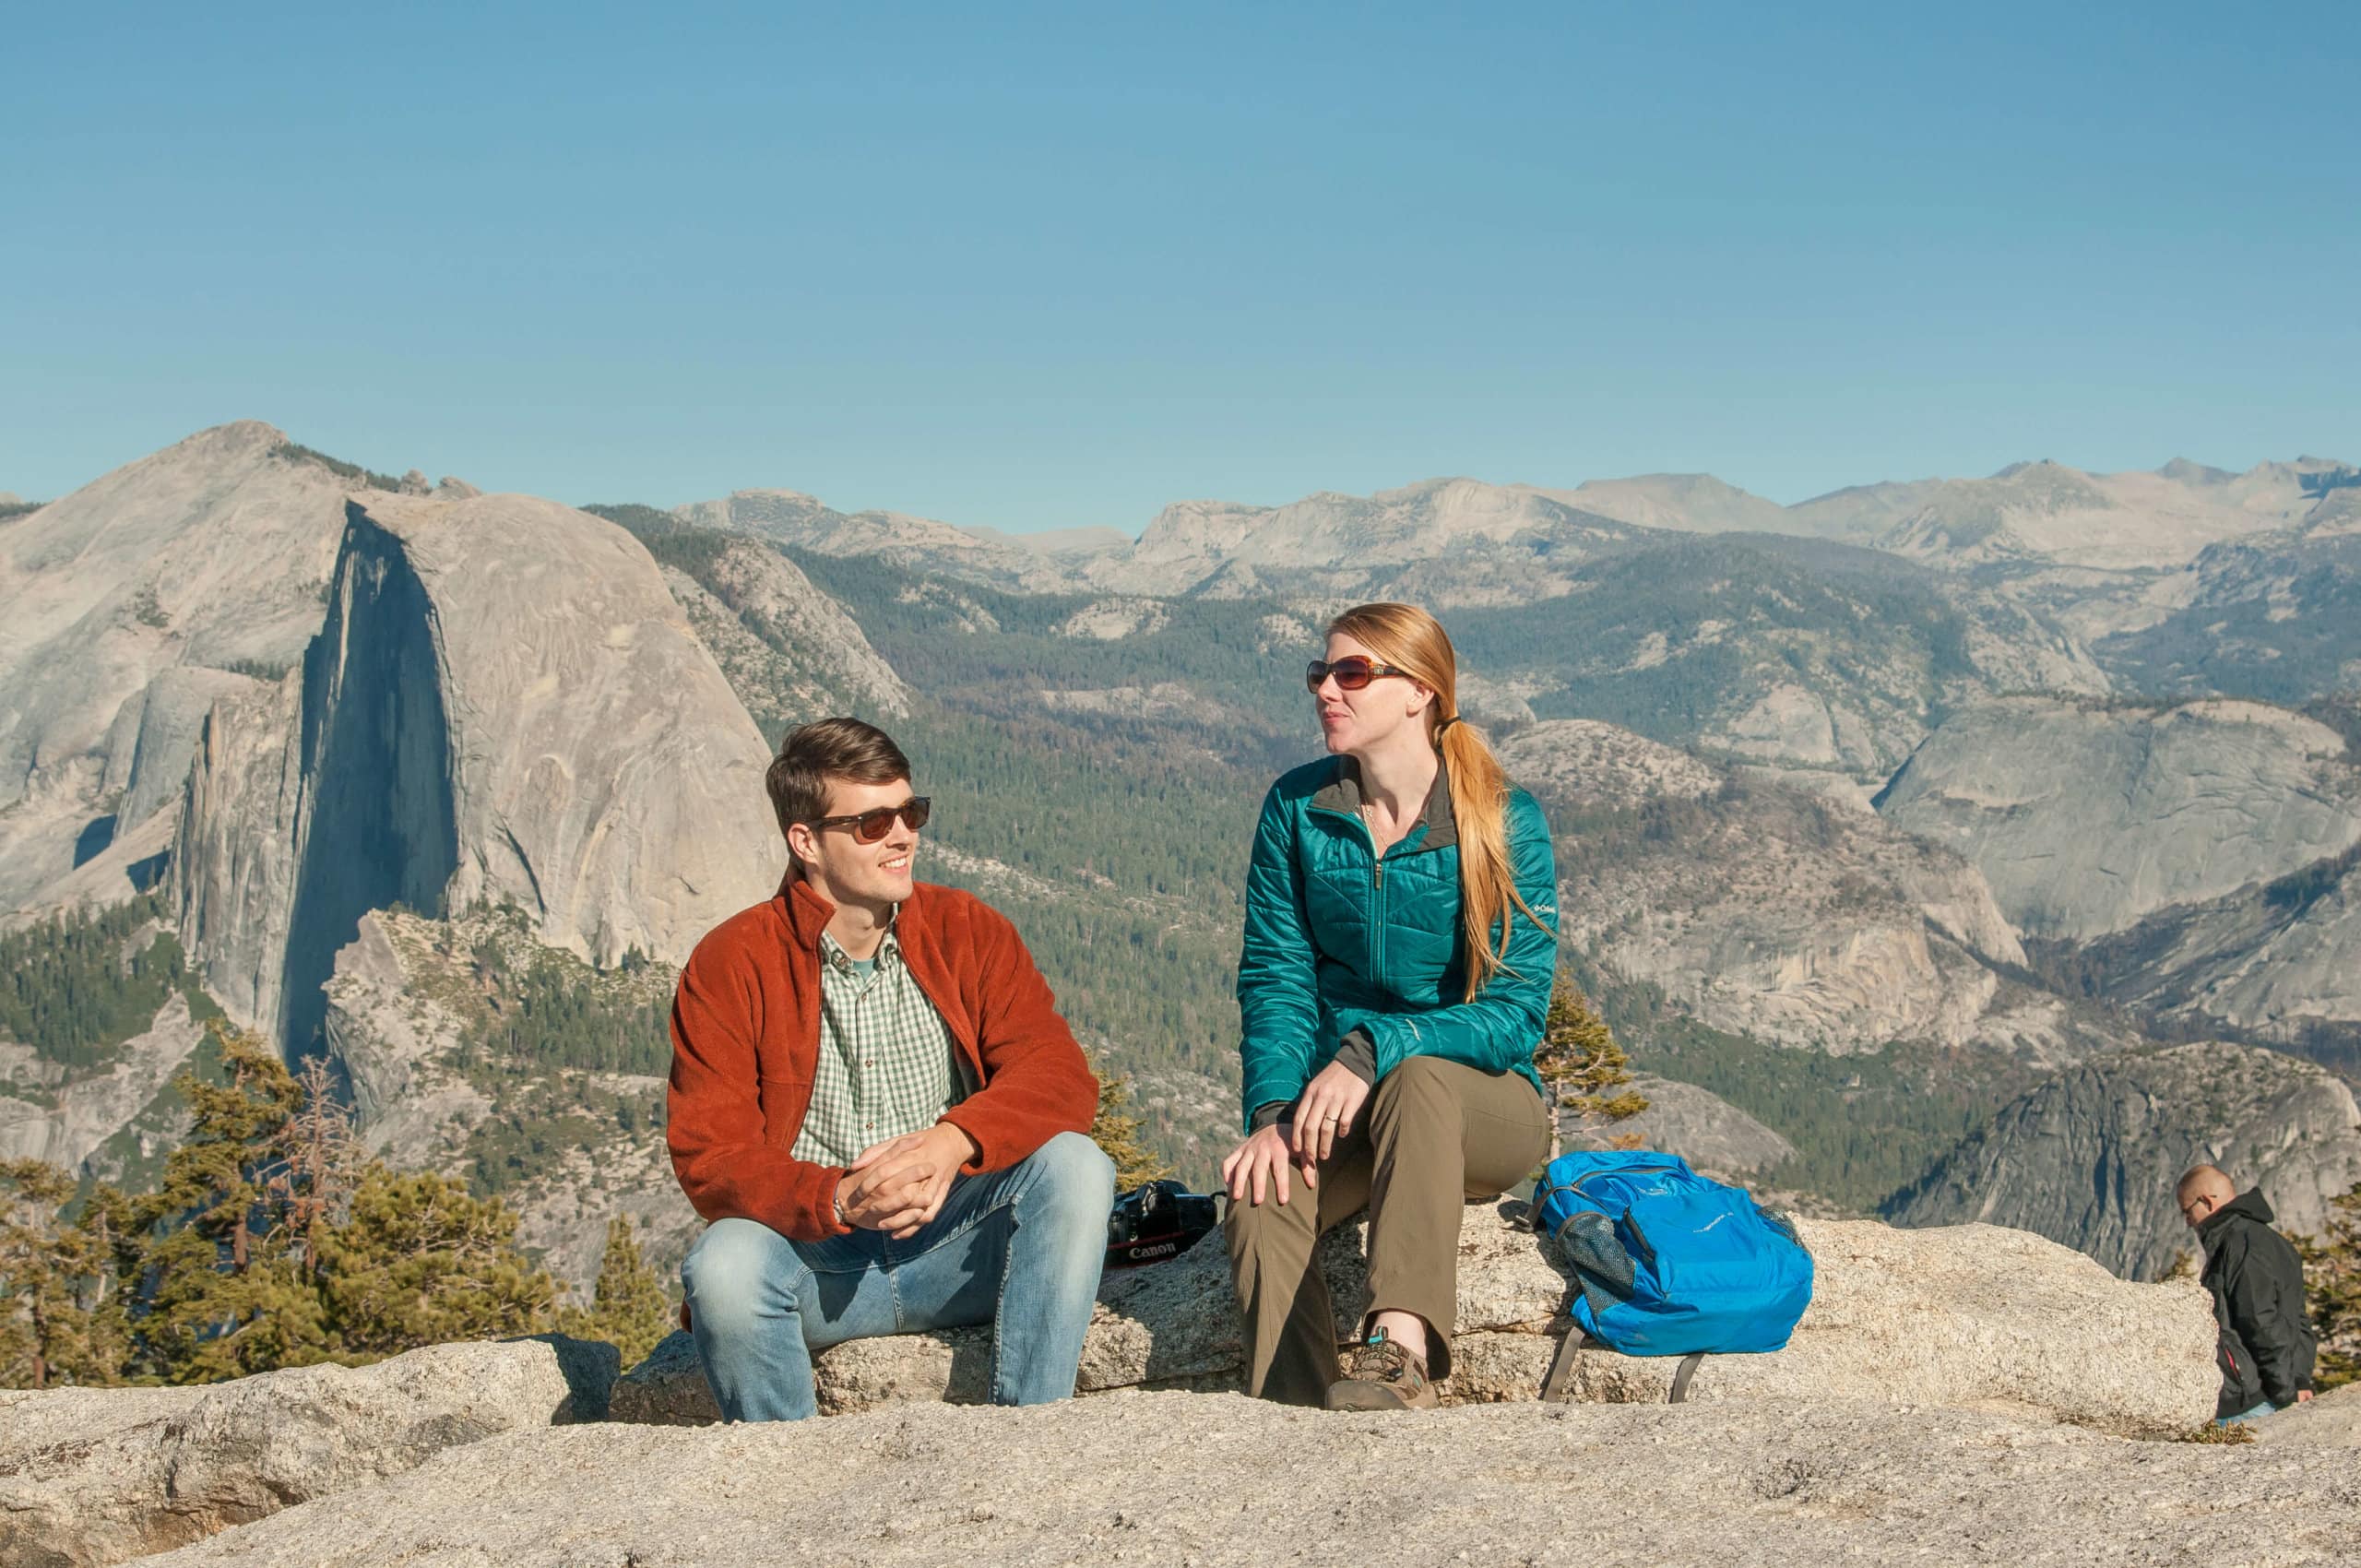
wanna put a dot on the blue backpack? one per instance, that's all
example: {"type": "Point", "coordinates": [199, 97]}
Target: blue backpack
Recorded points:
{"type": "Point", "coordinates": [1669, 1263]}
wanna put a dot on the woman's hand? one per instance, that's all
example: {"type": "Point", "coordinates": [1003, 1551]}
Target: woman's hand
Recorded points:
{"type": "Point", "coordinates": [1259, 1166]}
{"type": "Point", "coordinates": [1325, 1112]}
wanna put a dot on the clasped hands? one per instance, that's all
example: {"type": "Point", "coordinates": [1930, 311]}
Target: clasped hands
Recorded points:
{"type": "Point", "coordinates": [898, 1186]}
{"type": "Point", "coordinates": [1321, 1115]}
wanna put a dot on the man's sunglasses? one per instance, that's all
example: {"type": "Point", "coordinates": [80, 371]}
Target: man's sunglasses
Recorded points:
{"type": "Point", "coordinates": [1352, 672]}
{"type": "Point", "coordinates": [868, 826]}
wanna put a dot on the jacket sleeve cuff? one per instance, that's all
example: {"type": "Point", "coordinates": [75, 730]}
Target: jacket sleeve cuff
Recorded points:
{"type": "Point", "coordinates": [1270, 1114]}
{"type": "Point", "coordinates": [1358, 1055]}
{"type": "Point", "coordinates": [991, 1154]}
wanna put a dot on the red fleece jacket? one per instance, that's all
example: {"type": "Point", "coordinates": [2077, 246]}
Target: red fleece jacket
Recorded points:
{"type": "Point", "coordinates": [746, 1044]}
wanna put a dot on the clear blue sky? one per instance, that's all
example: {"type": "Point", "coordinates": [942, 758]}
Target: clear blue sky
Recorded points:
{"type": "Point", "coordinates": [1038, 266]}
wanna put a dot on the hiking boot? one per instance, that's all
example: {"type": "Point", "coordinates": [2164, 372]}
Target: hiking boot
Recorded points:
{"type": "Point", "coordinates": [1383, 1375]}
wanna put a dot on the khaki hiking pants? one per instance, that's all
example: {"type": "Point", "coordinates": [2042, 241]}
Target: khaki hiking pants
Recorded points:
{"type": "Point", "coordinates": [1433, 1136]}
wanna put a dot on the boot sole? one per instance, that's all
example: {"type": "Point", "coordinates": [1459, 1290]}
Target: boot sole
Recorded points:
{"type": "Point", "coordinates": [1353, 1396]}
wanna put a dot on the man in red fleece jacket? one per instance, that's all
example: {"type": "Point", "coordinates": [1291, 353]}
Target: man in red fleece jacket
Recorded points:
{"type": "Point", "coordinates": [875, 1101]}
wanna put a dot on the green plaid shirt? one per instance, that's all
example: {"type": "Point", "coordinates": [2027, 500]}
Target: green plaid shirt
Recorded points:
{"type": "Point", "coordinates": [888, 1066]}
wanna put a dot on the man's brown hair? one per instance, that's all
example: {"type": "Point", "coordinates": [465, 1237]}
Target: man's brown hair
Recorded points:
{"type": "Point", "coordinates": [811, 754]}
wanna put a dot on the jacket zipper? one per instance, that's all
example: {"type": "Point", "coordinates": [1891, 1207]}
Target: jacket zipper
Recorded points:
{"type": "Point", "coordinates": [1377, 894]}
{"type": "Point", "coordinates": [1377, 897]}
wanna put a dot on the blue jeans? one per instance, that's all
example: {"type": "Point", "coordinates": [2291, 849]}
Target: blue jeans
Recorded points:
{"type": "Point", "coordinates": [1019, 1248]}
{"type": "Point", "coordinates": [2265, 1408]}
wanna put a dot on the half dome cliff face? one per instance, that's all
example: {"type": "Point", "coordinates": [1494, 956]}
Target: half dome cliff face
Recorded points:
{"type": "Point", "coordinates": [505, 706]}
{"type": "Point", "coordinates": [604, 776]}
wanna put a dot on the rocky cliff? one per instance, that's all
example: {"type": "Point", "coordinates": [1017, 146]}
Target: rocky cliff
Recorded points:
{"type": "Point", "coordinates": [126, 610]}
{"type": "Point", "coordinates": [2278, 962]}
{"type": "Point", "coordinates": [2274, 615]}
{"type": "Point", "coordinates": [97, 1121]}
{"type": "Point", "coordinates": [2085, 820]}
{"type": "Point", "coordinates": [2090, 1156]}
{"type": "Point", "coordinates": [788, 650]}
{"type": "Point", "coordinates": [568, 1129]}
{"type": "Point", "coordinates": [504, 705]}
{"type": "Point", "coordinates": [1767, 911]}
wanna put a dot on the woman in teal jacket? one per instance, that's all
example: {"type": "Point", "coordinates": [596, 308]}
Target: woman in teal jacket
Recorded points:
{"type": "Point", "coordinates": [1401, 943]}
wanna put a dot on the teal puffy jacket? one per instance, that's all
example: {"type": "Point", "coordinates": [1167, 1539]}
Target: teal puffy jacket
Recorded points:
{"type": "Point", "coordinates": [1337, 940]}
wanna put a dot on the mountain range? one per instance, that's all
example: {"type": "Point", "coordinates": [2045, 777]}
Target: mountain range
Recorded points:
{"type": "Point", "coordinates": [1894, 826]}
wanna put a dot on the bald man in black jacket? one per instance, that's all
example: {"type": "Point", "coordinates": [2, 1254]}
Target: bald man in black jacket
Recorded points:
{"type": "Point", "coordinates": [2266, 1344]}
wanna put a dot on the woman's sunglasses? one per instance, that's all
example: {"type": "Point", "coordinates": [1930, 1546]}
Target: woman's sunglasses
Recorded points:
{"type": "Point", "coordinates": [868, 826]}
{"type": "Point", "coordinates": [1352, 672]}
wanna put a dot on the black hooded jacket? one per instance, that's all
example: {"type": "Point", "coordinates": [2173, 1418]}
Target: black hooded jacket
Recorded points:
{"type": "Point", "coordinates": [2266, 1344]}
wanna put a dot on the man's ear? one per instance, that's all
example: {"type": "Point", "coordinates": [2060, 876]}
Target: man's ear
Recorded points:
{"type": "Point", "coordinates": [803, 844]}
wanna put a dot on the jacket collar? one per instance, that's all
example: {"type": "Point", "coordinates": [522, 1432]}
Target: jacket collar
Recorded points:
{"type": "Point", "coordinates": [1343, 793]}
{"type": "Point", "coordinates": [807, 913]}
{"type": "Point", "coordinates": [2250, 1204]}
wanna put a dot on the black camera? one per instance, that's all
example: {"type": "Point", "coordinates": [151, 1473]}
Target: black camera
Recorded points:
{"type": "Point", "coordinates": [1157, 1222]}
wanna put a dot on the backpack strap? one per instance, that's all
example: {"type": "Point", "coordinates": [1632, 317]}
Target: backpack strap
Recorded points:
{"type": "Point", "coordinates": [1561, 1365]}
{"type": "Point", "coordinates": [1687, 1369]}
{"type": "Point", "coordinates": [1561, 1370]}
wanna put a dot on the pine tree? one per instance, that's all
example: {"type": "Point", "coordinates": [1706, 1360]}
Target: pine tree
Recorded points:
{"type": "Point", "coordinates": [225, 1293]}
{"type": "Point", "coordinates": [1579, 1061]}
{"type": "Point", "coordinates": [628, 1307]}
{"type": "Point", "coordinates": [2332, 1289]}
{"type": "Point", "coordinates": [1117, 1133]}
{"type": "Point", "coordinates": [323, 1162]}
{"type": "Point", "coordinates": [45, 1266]}
{"type": "Point", "coordinates": [270, 1242]}
{"type": "Point", "coordinates": [421, 1261]}
{"type": "Point", "coordinates": [109, 1237]}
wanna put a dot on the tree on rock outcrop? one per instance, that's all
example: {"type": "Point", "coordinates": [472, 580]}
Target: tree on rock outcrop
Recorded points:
{"type": "Point", "coordinates": [1117, 1133]}
{"type": "Point", "coordinates": [270, 1242]}
{"type": "Point", "coordinates": [223, 1289]}
{"type": "Point", "coordinates": [49, 1269]}
{"type": "Point", "coordinates": [421, 1261]}
{"type": "Point", "coordinates": [2333, 1285]}
{"type": "Point", "coordinates": [1579, 1061]}
{"type": "Point", "coordinates": [323, 1164]}
{"type": "Point", "coordinates": [628, 1307]}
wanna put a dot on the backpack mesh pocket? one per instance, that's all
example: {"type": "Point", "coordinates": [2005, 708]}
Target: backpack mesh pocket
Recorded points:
{"type": "Point", "coordinates": [1602, 1264]}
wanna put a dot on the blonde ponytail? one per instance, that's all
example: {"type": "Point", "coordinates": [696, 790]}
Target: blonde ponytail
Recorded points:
{"type": "Point", "coordinates": [1405, 636]}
